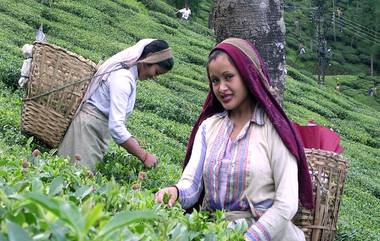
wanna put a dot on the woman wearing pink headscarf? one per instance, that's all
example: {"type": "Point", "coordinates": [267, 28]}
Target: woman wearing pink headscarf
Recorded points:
{"type": "Point", "coordinates": [244, 155]}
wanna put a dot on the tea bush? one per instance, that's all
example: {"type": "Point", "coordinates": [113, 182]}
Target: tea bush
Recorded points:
{"type": "Point", "coordinates": [45, 197]}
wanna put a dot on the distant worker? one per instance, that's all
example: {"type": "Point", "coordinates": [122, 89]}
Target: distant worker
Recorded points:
{"type": "Point", "coordinates": [370, 91]}
{"type": "Point", "coordinates": [339, 13]}
{"type": "Point", "coordinates": [185, 12]}
{"type": "Point", "coordinates": [337, 87]}
{"type": "Point", "coordinates": [329, 54]}
{"type": "Point", "coordinates": [302, 49]}
{"type": "Point", "coordinates": [339, 19]}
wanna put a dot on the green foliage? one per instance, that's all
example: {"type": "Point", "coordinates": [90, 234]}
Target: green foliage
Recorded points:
{"type": "Point", "coordinates": [159, 6]}
{"type": "Point", "coordinates": [357, 87]}
{"type": "Point", "coordinates": [52, 198]}
{"type": "Point", "coordinates": [353, 58]}
{"type": "Point", "coordinates": [163, 102]}
{"type": "Point", "coordinates": [297, 75]}
{"type": "Point", "coordinates": [351, 47]}
{"type": "Point", "coordinates": [165, 20]}
{"type": "Point", "coordinates": [46, 197]}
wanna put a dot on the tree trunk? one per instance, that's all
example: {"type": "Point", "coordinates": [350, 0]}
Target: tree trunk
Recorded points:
{"type": "Point", "coordinates": [262, 23]}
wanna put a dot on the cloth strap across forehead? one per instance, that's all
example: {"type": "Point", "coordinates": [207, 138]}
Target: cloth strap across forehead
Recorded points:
{"type": "Point", "coordinates": [125, 58]}
{"type": "Point", "coordinates": [157, 57]}
{"type": "Point", "coordinates": [244, 46]}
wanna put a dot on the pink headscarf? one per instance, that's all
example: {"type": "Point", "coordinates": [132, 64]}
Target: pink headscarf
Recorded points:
{"type": "Point", "coordinates": [252, 70]}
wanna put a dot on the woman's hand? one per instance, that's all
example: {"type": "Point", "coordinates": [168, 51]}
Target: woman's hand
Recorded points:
{"type": "Point", "coordinates": [133, 147]}
{"type": "Point", "coordinates": [171, 191]}
{"type": "Point", "coordinates": [150, 160]}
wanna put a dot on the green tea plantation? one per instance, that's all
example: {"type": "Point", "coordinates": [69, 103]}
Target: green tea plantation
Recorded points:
{"type": "Point", "coordinates": [44, 197]}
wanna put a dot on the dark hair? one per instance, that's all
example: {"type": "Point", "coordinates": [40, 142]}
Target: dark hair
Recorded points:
{"type": "Point", "coordinates": [215, 54]}
{"type": "Point", "coordinates": [155, 46]}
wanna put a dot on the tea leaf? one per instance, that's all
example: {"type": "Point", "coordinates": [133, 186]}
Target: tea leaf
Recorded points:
{"type": "Point", "coordinates": [124, 218]}
{"type": "Point", "coordinates": [17, 233]}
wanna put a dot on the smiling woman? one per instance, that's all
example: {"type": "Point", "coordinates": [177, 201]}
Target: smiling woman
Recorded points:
{"type": "Point", "coordinates": [109, 101]}
{"type": "Point", "coordinates": [230, 90]}
{"type": "Point", "coordinates": [243, 155]}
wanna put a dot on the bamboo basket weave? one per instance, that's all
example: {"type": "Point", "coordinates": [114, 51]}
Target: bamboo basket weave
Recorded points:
{"type": "Point", "coordinates": [57, 83]}
{"type": "Point", "coordinates": [328, 171]}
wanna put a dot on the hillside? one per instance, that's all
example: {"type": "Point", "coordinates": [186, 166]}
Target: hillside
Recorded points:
{"type": "Point", "coordinates": [353, 39]}
{"type": "Point", "coordinates": [45, 198]}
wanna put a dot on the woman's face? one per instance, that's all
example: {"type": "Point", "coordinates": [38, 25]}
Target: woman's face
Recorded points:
{"type": "Point", "coordinates": [227, 84]}
{"type": "Point", "coordinates": [150, 71]}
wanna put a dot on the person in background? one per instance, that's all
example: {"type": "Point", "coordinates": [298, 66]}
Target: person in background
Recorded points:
{"type": "Point", "coordinates": [339, 19]}
{"type": "Point", "coordinates": [337, 87]}
{"type": "Point", "coordinates": [244, 155]}
{"type": "Point", "coordinates": [109, 101]}
{"type": "Point", "coordinates": [370, 91]}
{"type": "Point", "coordinates": [302, 49]}
{"type": "Point", "coordinates": [185, 12]}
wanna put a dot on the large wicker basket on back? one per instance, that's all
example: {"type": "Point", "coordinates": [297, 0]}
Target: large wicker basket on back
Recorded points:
{"type": "Point", "coordinates": [328, 171]}
{"type": "Point", "coordinates": [57, 83]}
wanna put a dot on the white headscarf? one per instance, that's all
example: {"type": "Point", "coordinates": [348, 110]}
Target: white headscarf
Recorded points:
{"type": "Point", "coordinates": [126, 59]}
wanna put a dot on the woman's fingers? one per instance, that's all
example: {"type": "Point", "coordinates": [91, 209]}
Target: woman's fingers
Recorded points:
{"type": "Point", "coordinates": [169, 193]}
{"type": "Point", "coordinates": [159, 196]}
{"type": "Point", "coordinates": [150, 161]}
{"type": "Point", "coordinates": [172, 201]}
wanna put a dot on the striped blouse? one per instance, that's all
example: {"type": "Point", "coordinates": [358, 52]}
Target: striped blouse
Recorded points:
{"type": "Point", "coordinates": [254, 172]}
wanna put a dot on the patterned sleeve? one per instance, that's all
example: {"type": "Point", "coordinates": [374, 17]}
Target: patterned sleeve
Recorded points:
{"type": "Point", "coordinates": [190, 185]}
{"type": "Point", "coordinates": [274, 222]}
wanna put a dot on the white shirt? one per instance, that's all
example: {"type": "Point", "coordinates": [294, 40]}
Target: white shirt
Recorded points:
{"type": "Point", "coordinates": [185, 13]}
{"type": "Point", "coordinates": [115, 98]}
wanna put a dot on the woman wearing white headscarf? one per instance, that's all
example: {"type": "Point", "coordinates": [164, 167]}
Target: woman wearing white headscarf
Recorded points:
{"type": "Point", "coordinates": [109, 101]}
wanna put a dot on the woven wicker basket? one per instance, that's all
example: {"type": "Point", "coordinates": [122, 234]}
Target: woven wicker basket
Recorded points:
{"type": "Point", "coordinates": [57, 83]}
{"type": "Point", "coordinates": [328, 171]}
